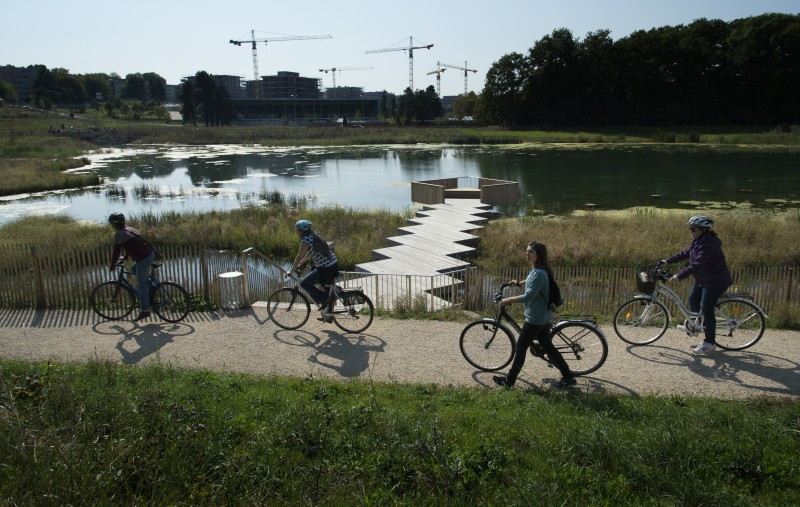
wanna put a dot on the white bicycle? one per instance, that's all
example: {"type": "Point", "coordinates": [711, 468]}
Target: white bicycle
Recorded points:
{"type": "Point", "coordinates": [645, 318]}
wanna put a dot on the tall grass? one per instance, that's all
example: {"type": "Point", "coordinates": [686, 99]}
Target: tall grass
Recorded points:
{"type": "Point", "coordinates": [640, 236]}
{"type": "Point", "coordinates": [102, 433]}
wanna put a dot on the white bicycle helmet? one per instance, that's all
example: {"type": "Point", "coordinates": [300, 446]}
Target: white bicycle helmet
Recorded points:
{"type": "Point", "coordinates": [701, 221]}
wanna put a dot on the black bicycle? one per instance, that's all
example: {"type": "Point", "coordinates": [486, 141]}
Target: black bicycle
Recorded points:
{"type": "Point", "coordinates": [116, 299]}
{"type": "Point", "coordinates": [289, 307]}
{"type": "Point", "coordinates": [489, 345]}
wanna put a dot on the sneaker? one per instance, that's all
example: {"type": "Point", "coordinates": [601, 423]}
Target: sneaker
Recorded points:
{"type": "Point", "coordinates": [141, 316]}
{"type": "Point", "coordinates": [502, 381]}
{"type": "Point", "coordinates": [566, 382]}
{"type": "Point", "coordinates": [325, 317]}
{"type": "Point", "coordinates": [704, 348]}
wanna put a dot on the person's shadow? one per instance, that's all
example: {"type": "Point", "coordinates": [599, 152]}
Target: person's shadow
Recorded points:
{"type": "Point", "coordinates": [141, 341]}
{"type": "Point", "coordinates": [348, 354]}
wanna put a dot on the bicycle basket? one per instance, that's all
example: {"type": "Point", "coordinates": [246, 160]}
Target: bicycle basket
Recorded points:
{"type": "Point", "coordinates": [350, 297]}
{"type": "Point", "coordinates": [645, 281]}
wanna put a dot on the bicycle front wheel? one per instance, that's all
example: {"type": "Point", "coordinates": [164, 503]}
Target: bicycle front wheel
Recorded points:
{"type": "Point", "coordinates": [641, 321]}
{"type": "Point", "coordinates": [112, 300]}
{"type": "Point", "coordinates": [487, 345]}
{"type": "Point", "coordinates": [740, 324]}
{"type": "Point", "coordinates": [288, 308]}
{"type": "Point", "coordinates": [170, 301]}
{"type": "Point", "coordinates": [582, 345]}
{"type": "Point", "coordinates": [355, 314]}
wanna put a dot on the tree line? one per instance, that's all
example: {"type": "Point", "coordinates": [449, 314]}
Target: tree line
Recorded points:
{"type": "Point", "coordinates": [709, 72]}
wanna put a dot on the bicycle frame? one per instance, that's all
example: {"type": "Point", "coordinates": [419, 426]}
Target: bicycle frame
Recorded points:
{"type": "Point", "coordinates": [295, 279]}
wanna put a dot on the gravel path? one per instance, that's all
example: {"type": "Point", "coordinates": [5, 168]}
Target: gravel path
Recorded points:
{"type": "Point", "coordinates": [405, 351]}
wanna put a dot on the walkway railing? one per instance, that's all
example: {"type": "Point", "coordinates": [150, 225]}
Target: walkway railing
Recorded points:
{"type": "Point", "coordinates": [36, 277]}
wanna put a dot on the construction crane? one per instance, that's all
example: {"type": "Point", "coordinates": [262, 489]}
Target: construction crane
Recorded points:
{"type": "Point", "coordinates": [333, 70]}
{"type": "Point", "coordinates": [410, 50]}
{"type": "Point", "coordinates": [253, 42]}
{"type": "Point", "coordinates": [438, 73]}
{"type": "Point", "coordinates": [465, 69]}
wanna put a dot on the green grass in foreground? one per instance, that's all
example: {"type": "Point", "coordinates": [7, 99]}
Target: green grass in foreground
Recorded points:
{"type": "Point", "coordinates": [106, 434]}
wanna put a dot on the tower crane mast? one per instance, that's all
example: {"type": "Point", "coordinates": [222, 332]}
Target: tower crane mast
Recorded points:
{"type": "Point", "coordinates": [466, 71]}
{"type": "Point", "coordinates": [410, 50]}
{"type": "Point", "coordinates": [252, 41]}
{"type": "Point", "coordinates": [333, 70]}
{"type": "Point", "coordinates": [438, 71]}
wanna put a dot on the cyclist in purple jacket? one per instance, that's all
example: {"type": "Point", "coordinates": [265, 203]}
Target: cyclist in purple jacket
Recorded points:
{"type": "Point", "coordinates": [138, 249]}
{"type": "Point", "coordinates": [711, 274]}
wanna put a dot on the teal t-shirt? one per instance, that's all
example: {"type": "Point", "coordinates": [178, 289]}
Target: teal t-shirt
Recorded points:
{"type": "Point", "coordinates": [537, 292]}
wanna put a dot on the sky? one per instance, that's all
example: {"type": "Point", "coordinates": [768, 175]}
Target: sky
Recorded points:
{"type": "Point", "coordinates": [177, 38]}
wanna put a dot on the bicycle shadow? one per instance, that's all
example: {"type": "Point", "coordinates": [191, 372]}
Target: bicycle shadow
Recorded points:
{"type": "Point", "coordinates": [346, 354]}
{"type": "Point", "coordinates": [736, 367]}
{"type": "Point", "coordinates": [138, 342]}
{"type": "Point", "coordinates": [731, 366]}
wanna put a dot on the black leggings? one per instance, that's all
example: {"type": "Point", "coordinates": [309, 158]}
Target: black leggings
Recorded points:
{"type": "Point", "coordinates": [529, 333]}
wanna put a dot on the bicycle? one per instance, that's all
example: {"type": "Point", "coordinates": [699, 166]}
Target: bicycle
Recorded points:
{"type": "Point", "coordinates": [644, 319]}
{"type": "Point", "coordinates": [115, 300]}
{"type": "Point", "coordinates": [289, 307]}
{"type": "Point", "coordinates": [489, 345]}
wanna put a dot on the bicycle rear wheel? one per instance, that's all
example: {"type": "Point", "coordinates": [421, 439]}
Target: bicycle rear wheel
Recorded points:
{"type": "Point", "coordinates": [582, 345]}
{"type": "Point", "coordinates": [641, 321]}
{"type": "Point", "coordinates": [288, 308]}
{"type": "Point", "coordinates": [353, 313]}
{"type": "Point", "coordinates": [112, 300]}
{"type": "Point", "coordinates": [487, 345]}
{"type": "Point", "coordinates": [740, 324]}
{"type": "Point", "coordinates": [170, 301]}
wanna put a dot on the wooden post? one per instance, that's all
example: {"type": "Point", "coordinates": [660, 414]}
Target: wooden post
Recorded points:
{"type": "Point", "coordinates": [246, 281]}
{"type": "Point", "coordinates": [41, 301]}
{"type": "Point", "coordinates": [204, 274]}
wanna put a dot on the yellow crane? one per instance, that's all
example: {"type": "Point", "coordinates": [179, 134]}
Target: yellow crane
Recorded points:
{"type": "Point", "coordinates": [252, 41]}
{"type": "Point", "coordinates": [465, 69]}
{"type": "Point", "coordinates": [410, 50]}
{"type": "Point", "coordinates": [333, 71]}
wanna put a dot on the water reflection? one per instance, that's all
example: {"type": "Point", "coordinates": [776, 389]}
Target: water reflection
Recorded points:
{"type": "Point", "coordinates": [189, 178]}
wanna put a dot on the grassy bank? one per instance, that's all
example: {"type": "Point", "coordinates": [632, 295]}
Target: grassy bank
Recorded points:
{"type": "Point", "coordinates": [102, 433]}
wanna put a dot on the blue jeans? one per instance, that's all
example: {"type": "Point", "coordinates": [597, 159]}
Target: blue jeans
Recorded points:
{"type": "Point", "coordinates": [322, 276]}
{"type": "Point", "coordinates": [142, 270]}
{"type": "Point", "coordinates": [703, 300]}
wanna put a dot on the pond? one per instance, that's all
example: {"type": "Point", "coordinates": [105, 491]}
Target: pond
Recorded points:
{"type": "Point", "coordinates": [156, 179]}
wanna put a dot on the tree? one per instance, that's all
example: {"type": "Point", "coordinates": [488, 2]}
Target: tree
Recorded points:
{"type": "Point", "coordinates": [156, 86]}
{"type": "Point", "coordinates": [501, 99]}
{"type": "Point", "coordinates": [186, 95]}
{"type": "Point", "coordinates": [8, 92]}
{"type": "Point", "coordinates": [465, 105]}
{"type": "Point", "coordinates": [419, 106]}
{"type": "Point", "coordinates": [135, 87]}
{"type": "Point", "coordinates": [97, 86]}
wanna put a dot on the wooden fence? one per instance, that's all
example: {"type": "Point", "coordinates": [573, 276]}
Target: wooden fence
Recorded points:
{"type": "Point", "coordinates": [38, 277]}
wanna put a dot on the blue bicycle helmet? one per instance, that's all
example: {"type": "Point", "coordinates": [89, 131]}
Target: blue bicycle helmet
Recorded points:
{"type": "Point", "coordinates": [303, 225]}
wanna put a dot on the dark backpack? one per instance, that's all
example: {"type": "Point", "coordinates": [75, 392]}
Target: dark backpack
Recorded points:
{"type": "Point", "coordinates": [555, 294]}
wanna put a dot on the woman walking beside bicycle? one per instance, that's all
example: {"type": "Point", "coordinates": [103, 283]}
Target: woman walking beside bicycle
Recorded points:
{"type": "Point", "coordinates": [140, 251]}
{"type": "Point", "coordinates": [324, 264]}
{"type": "Point", "coordinates": [711, 274]}
{"type": "Point", "coordinates": [537, 318]}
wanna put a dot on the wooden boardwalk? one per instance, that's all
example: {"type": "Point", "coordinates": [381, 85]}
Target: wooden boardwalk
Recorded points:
{"type": "Point", "coordinates": [435, 242]}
